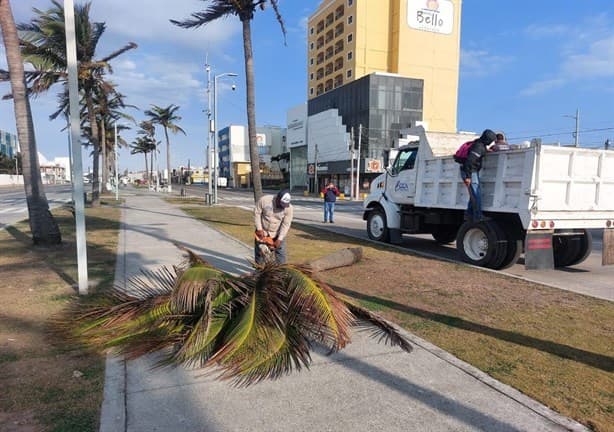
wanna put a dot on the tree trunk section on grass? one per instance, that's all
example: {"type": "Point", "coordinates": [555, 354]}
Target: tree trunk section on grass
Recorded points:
{"type": "Point", "coordinates": [340, 258]}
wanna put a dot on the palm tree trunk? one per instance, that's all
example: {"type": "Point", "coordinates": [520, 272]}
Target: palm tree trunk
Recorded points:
{"type": "Point", "coordinates": [146, 167]}
{"type": "Point", "coordinates": [251, 109]}
{"type": "Point", "coordinates": [96, 152]}
{"type": "Point", "coordinates": [168, 158]}
{"type": "Point", "coordinates": [45, 230]}
{"type": "Point", "coordinates": [105, 157]}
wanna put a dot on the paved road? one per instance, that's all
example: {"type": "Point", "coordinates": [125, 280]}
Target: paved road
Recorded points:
{"type": "Point", "coordinates": [13, 206]}
{"type": "Point", "coordinates": [589, 277]}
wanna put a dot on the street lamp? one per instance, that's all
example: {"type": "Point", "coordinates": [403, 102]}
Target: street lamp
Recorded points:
{"type": "Point", "coordinates": [577, 118]}
{"type": "Point", "coordinates": [215, 149]}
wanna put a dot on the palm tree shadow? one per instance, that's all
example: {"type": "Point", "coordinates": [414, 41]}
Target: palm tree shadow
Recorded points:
{"type": "Point", "coordinates": [425, 395]}
{"type": "Point", "coordinates": [588, 358]}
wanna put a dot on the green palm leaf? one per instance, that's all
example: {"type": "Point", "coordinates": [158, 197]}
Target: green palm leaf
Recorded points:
{"type": "Point", "coordinates": [249, 328]}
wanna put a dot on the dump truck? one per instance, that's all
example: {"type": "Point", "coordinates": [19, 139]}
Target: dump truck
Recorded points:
{"type": "Point", "coordinates": [540, 200]}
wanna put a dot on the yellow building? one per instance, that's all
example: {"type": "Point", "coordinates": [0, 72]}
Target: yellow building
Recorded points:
{"type": "Point", "coordinates": [418, 39]}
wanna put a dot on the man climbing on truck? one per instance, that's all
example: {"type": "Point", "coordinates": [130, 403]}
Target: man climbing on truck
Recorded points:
{"type": "Point", "coordinates": [470, 173]}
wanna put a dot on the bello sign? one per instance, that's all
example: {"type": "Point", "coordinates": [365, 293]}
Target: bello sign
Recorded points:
{"type": "Point", "coordinates": [435, 16]}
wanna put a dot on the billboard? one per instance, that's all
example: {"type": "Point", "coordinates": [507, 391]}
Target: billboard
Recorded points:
{"type": "Point", "coordinates": [435, 16]}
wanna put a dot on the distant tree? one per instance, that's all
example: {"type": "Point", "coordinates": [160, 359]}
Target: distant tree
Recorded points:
{"type": "Point", "coordinates": [166, 118]}
{"type": "Point", "coordinates": [44, 228]}
{"type": "Point", "coordinates": [43, 45]}
{"type": "Point", "coordinates": [244, 9]}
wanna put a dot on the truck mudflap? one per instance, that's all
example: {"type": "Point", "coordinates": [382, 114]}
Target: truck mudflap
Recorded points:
{"type": "Point", "coordinates": [607, 252]}
{"type": "Point", "coordinates": [538, 250]}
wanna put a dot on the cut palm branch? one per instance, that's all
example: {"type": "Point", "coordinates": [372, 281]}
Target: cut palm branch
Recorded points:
{"type": "Point", "coordinates": [260, 325]}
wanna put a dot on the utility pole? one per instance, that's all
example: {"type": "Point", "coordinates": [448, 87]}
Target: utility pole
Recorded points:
{"type": "Point", "coordinates": [358, 163]}
{"type": "Point", "coordinates": [577, 133]}
{"type": "Point", "coordinates": [315, 181]}
{"type": "Point", "coordinates": [352, 163]}
{"type": "Point", "coordinates": [210, 155]}
{"type": "Point", "coordinates": [577, 126]}
{"type": "Point", "coordinates": [75, 133]}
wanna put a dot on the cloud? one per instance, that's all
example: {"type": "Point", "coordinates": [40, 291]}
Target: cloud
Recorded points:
{"type": "Point", "coordinates": [596, 62]}
{"type": "Point", "coordinates": [586, 52]}
{"type": "Point", "coordinates": [156, 80]}
{"type": "Point", "coordinates": [481, 63]}
{"type": "Point", "coordinates": [538, 87]}
{"type": "Point", "coordinates": [541, 31]}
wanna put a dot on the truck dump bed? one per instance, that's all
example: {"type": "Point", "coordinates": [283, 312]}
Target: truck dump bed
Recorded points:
{"type": "Point", "coordinates": [572, 186]}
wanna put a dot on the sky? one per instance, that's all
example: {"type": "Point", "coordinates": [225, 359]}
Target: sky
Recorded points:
{"type": "Point", "coordinates": [526, 67]}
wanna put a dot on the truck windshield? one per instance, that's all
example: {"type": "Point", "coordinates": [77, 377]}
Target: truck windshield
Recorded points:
{"type": "Point", "coordinates": [405, 160]}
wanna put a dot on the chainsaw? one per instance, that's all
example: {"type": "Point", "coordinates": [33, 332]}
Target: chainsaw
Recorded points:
{"type": "Point", "coordinates": [266, 244]}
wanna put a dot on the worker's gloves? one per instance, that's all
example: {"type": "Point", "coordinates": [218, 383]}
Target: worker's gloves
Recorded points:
{"type": "Point", "coordinates": [259, 233]}
{"type": "Point", "coordinates": [277, 243]}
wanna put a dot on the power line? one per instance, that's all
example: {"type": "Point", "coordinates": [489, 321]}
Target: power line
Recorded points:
{"type": "Point", "coordinates": [562, 133]}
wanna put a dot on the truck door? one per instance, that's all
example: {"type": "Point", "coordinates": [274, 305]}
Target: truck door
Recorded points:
{"type": "Point", "coordinates": [401, 186]}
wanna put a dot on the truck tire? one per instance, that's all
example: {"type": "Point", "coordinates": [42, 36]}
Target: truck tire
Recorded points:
{"type": "Point", "coordinates": [565, 248]}
{"type": "Point", "coordinates": [445, 234]}
{"type": "Point", "coordinates": [377, 229]}
{"type": "Point", "coordinates": [586, 247]}
{"type": "Point", "coordinates": [514, 250]}
{"type": "Point", "coordinates": [580, 244]}
{"type": "Point", "coordinates": [481, 243]}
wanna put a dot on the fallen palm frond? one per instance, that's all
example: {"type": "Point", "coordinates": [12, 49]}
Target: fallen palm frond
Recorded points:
{"type": "Point", "coordinates": [252, 327]}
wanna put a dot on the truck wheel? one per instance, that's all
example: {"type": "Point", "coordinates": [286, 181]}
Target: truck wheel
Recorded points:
{"type": "Point", "coordinates": [481, 243]}
{"type": "Point", "coordinates": [565, 249]}
{"type": "Point", "coordinates": [514, 249]}
{"type": "Point", "coordinates": [445, 234]}
{"type": "Point", "coordinates": [586, 247]}
{"type": "Point", "coordinates": [376, 226]}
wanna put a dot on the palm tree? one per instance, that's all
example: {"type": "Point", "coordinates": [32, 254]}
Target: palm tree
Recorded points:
{"type": "Point", "coordinates": [244, 9]}
{"type": "Point", "coordinates": [249, 328]}
{"type": "Point", "coordinates": [166, 118]}
{"type": "Point", "coordinates": [43, 45]}
{"type": "Point", "coordinates": [43, 226]}
{"type": "Point", "coordinates": [140, 145]}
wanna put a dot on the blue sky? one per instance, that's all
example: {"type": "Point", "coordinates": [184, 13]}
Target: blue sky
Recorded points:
{"type": "Point", "coordinates": [525, 65]}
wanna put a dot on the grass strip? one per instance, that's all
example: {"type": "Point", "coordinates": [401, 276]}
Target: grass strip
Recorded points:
{"type": "Point", "coordinates": [553, 345]}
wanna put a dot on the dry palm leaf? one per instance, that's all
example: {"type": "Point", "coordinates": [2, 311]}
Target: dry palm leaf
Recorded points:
{"type": "Point", "coordinates": [251, 327]}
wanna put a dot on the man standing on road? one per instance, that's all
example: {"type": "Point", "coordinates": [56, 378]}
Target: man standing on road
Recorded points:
{"type": "Point", "coordinates": [330, 196]}
{"type": "Point", "coordinates": [470, 173]}
{"type": "Point", "coordinates": [272, 218]}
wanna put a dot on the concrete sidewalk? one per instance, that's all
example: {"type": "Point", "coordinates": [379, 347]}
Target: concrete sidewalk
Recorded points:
{"type": "Point", "coordinates": [366, 387]}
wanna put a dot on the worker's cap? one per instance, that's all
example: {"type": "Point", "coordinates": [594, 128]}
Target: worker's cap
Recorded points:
{"type": "Point", "coordinates": [284, 198]}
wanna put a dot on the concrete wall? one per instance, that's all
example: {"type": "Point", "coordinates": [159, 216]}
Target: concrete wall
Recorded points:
{"type": "Point", "coordinates": [10, 180]}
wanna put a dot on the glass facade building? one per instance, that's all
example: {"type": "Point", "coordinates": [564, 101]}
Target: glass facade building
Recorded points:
{"type": "Point", "coordinates": [8, 144]}
{"type": "Point", "coordinates": [382, 103]}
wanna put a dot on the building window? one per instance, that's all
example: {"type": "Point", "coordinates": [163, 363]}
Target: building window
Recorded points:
{"type": "Point", "coordinates": [349, 73]}
{"type": "Point", "coordinates": [311, 91]}
{"type": "Point", "coordinates": [350, 38]}
{"type": "Point", "coordinates": [311, 45]}
{"type": "Point", "coordinates": [350, 19]}
{"type": "Point", "coordinates": [350, 2]}
{"type": "Point", "coordinates": [350, 56]}
{"type": "Point", "coordinates": [311, 76]}
{"type": "Point", "coordinates": [311, 62]}
{"type": "Point", "coordinates": [311, 30]}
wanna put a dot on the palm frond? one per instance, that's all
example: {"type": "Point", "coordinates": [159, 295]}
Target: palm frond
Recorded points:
{"type": "Point", "coordinates": [247, 328]}
{"type": "Point", "coordinates": [378, 327]}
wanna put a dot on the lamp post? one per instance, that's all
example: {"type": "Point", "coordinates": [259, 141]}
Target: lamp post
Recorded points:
{"type": "Point", "coordinates": [577, 118]}
{"type": "Point", "coordinates": [215, 149]}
